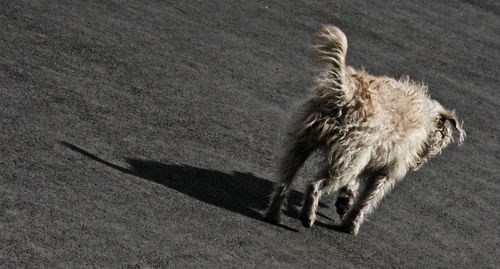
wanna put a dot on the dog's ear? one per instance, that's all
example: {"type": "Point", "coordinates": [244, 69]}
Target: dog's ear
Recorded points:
{"type": "Point", "coordinates": [450, 116]}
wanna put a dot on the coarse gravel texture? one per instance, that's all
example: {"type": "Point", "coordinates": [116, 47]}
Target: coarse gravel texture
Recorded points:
{"type": "Point", "coordinates": [145, 134]}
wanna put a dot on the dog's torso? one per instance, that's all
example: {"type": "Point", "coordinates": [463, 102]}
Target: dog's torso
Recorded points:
{"type": "Point", "coordinates": [392, 119]}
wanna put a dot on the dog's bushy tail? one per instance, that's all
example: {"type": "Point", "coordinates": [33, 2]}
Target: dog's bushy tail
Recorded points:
{"type": "Point", "coordinates": [331, 51]}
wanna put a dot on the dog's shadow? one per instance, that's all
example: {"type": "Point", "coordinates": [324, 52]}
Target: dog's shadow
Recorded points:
{"type": "Point", "coordinates": [238, 192]}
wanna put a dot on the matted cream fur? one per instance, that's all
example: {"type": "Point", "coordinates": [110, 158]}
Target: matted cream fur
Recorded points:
{"type": "Point", "coordinates": [370, 129]}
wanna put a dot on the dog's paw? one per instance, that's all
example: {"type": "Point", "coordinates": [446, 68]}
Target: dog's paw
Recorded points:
{"type": "Point", "coordinates": [306, 222]}
{"type": "Point", "coordinates": [342, 206]}
{"type": "Point", "coordinates": [347, 228]}
{"type": "Point", "coordinates": [307, 219]}
{"type": "Point", "coordinates": [272, 217]}
{"type": "Point", "coordinates": [344, 202]}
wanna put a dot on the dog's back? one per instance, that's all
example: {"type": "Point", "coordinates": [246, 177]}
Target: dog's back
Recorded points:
{"type": "Point", "coordinates": [392, 117]}
{"type": "Point", "coordinates": [395, 116]}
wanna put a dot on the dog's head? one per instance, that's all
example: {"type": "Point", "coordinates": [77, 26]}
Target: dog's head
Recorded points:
{"type": "Point", "coordinates": [440, 136]}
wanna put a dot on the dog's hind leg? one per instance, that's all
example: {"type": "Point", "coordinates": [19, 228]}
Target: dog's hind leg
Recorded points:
{"type": "Point", "coordinates": [312, 196]}
{"type": "Point", "coordinates": [298, 150]}
{"type": "Point", "coordinates": [331, 178]}
{"type": "Point", "coordinates": [345, 198]}
{"type": "Point", "coordinates": [325, 182]}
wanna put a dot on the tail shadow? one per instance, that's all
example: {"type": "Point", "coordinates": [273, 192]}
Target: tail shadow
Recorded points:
{"type": "Point", "coordinates": [238, 192]}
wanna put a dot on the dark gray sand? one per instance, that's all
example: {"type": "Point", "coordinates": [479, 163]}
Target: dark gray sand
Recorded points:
{"type": "Point", "coordinates": [146, 133]}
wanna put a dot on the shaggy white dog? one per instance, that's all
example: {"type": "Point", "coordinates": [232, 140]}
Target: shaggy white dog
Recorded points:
{"type": "Point", "coordinates": [370, 129]}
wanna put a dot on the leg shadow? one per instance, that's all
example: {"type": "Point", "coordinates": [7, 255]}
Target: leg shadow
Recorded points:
{"type": "Point", "coordinates": [238, 192]}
